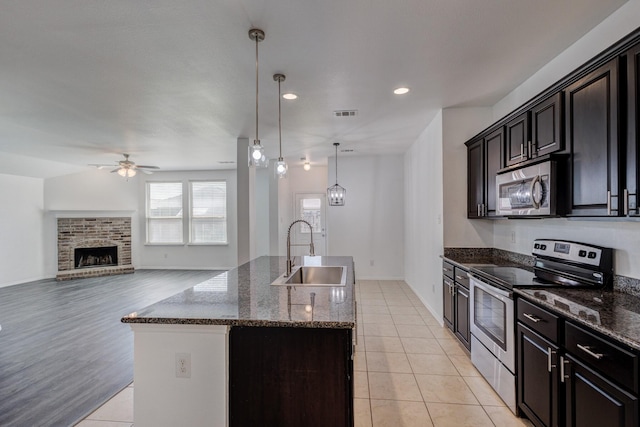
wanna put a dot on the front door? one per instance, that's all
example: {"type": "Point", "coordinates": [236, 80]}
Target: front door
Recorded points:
{"type": "Point", "coordinates": [311, 208]}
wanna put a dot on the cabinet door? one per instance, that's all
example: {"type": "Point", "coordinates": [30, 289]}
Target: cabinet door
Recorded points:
{"type": "Point", "coordinates": [517, 142]}
{"type": "Point", "coordinates": [475, 178]}
{"type": "Point", "coordinates": [462, 329]}
{"type": "Point", "coordinates": [592, 401]}
{"type": "Point", "coordinates": [537, 378]}
{"type": "Point", "coordinates": [447, 301]}
{"type": "Point", "coordinates": [546, 119]}
{"type": "Point", "coordinates": [630, 203]}
{"type": "Point", "coordinates": [494, 143]}
{"type": "Point", "coordinates": [592, 135]}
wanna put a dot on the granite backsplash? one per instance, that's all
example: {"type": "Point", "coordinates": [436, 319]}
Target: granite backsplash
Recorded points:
{"type": "Point", "coordinates": [628, 285]}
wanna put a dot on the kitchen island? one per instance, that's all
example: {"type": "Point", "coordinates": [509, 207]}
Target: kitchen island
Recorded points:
{"type": "Point", "coordinates": [236, 350]}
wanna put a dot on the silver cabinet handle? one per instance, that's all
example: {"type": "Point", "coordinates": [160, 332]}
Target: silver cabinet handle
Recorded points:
{"type": "Point", "coordinates": [529, 149]}
{"type": "Point", "coordinates": [562, 374]}
{"type": "Point", "coordinates": [479, 209]}
{"type": "Point", "coordinates": [550, 364]}
{"type": "Point", "coordinates": [521, 150]}
{"type": "Point", "coordinates": [590, 352]}
{"type": "Point", "coordinates": [459, 277]}
{"type": "Point", "coordinates": [534, 319]}
{"type": "Point", "coordinates": [608, 202]}
{"type": "Point", "coordinates": [625, 194]}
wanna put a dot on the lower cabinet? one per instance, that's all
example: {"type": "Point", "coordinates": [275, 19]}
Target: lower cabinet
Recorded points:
{"type": "Point", "coordinates": [593, 401]}
{"type": "Point", "coordinates": [455, 301]}
{"type": "Point", "coordinates": [538, 382]}
{"type": "Point", "coordinates": [569, 375]}
{"type": "Point", "coordinates": [290, 377]}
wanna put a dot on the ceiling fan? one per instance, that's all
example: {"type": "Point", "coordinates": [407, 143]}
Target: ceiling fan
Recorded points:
{"type": "Point", "coordinates": [126, 168]}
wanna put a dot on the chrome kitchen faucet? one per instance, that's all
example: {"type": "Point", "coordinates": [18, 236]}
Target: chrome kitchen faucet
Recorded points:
{"type": "Point", "coordinates": [289, 258]}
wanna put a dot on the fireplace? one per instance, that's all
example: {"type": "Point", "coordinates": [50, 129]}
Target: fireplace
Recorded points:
{"type": "Point", "coordinates": [95, 257]}
{"type": "Point", "coordinates": [91, 247]}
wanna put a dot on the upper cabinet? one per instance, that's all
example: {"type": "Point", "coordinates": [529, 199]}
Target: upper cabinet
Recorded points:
{"type": "Point", "coordinates": [630, 192]}
{"type": "Point", "coordinates": [484, 159]}
{"type": "Point", "coordinates": [592, 135]}
{"type": "Point", "coordinates": [535, 132]}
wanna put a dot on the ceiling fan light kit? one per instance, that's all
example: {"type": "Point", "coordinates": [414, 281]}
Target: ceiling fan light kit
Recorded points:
{"type": "Point", "coordinates": [336, 194]}
{"type": "Point", "coordinates": [281, 165]}
{"type": "Point", "coordinates": [257, 157]}
{"type": "Point", "coordinates": [127, 169]}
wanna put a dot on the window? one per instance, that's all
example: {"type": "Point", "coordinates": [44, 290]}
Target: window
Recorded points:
{"type": "Point", "coordinates": [164, 212]}
{"type": "Point", "coordinates": [208, 219]}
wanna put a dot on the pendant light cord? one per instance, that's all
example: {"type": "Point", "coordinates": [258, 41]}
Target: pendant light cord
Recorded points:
{"type": "Point", "coordinates": [257, 139]}
{"type": "Point", "coordinates": [336, 144]}
{"type": "Point", "coordinates": [280, 117]}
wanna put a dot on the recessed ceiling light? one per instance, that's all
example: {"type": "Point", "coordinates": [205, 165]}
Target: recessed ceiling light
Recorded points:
{"type": "Point", "coordinates": [290, 96]}
{"type": "Point", "coordinates": [401, 90]}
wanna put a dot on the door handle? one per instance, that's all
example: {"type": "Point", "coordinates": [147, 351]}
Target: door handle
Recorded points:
{"type": "Point", "coordinates": [563, 361]}
{"type": "Point", "coordinates": [521, 150]}
{"type": "Point", "coordinates": [531, 317]}
{"type": "Point", "coordinates": [536, 202]}
{"type": "Point", "coordinates": [625, 194]}
{"type": "Point", "coordinates": [550, 364]}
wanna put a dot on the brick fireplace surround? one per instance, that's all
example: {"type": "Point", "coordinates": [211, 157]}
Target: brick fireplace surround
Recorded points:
{"type": "Point", "coordinates": [91, 233]}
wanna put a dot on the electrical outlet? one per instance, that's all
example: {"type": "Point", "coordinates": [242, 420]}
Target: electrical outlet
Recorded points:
{"type": "Point", "coordinates": [183, 365]}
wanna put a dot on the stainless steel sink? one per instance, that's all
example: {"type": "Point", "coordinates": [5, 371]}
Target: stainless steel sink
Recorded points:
{"type": "Point", "coordinates": [314, 276]}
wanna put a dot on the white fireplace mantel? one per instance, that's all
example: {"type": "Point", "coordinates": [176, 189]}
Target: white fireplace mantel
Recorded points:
{"type": "Point", "coordinates": [90, 213]}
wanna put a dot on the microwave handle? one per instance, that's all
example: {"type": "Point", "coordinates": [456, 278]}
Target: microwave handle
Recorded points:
{"type": "Point", "coordinates": [536, 203]}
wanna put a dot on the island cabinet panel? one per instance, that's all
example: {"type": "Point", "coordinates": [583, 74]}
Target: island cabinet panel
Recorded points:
{"type": "Point", "coordinates": [290, 377]}
{"type": "Point", "coordinates": [592, 134]}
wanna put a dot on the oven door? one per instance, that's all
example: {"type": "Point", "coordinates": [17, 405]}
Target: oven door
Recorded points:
{"type": "Point", "coordinates": [492, 320]}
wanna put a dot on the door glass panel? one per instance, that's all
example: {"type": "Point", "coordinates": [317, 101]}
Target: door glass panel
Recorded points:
{"type": "Point", "coordinates": [311, 211]}
{"type": "Point", "coordinates": [490, 316]}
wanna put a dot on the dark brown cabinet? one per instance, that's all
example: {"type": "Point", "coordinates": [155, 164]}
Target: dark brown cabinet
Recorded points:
{"type": "Point", "coordinates": [569, 375]}
{"type": "Point", "coordinates": [593, 401]}
{"type": "Point", "coordinates": [538, 375]}
{"type": "Point", "coordinates": [630, 193]}
{"type": "Point", "coordinates": [455, 301]}
{"type": "Point", "coordinates": [538, 381]}
{"type": "Point", "coordinates": [592, 136]}
{"type": "Point", "coordinates": [290, 377]}
{"type": "Point", "coordinates": [517, 140]}
{"type": "Point", "coordinates": [484, 159]}
{"type": "Point", "coordinates": [462, 327]}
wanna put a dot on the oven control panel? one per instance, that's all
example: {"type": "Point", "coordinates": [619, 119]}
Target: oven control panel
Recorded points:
{"type": "Point", "coordinates": [568, 251]}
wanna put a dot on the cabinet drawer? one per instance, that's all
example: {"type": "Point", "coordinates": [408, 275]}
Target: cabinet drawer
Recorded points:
{"type": "Point", "coordinates": [614, 362]}
{"type": "Point", "coordinates": [447, 269]}
{"type": "Point", "coordinates": [538, 319]}
{"type": "Point", "coordinates": [461, 278]}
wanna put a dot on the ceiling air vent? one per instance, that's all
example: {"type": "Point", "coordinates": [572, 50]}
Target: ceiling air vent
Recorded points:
{"type": "Point", "coordinates": [345, 113]}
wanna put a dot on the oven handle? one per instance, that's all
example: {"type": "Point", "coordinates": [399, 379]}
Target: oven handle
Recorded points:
{"type": "Point", "coordinates": [534, 202]}
{"type": "Point", "coordinates": [491, 290]}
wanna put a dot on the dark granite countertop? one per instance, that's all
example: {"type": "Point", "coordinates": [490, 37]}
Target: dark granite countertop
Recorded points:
{"type": "Point", "coordinates": [244, 297]}
{"type": "Point", "coordinates": [615, 314]}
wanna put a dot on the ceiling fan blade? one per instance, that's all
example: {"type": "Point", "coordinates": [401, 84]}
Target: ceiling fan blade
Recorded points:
{"type": "Point", "coordinates": [100, 166]}
{"type": "Point", "coordinates": [146, 167]}
{"type": "Point", "coordinates": [115, 170]}
{"type": "Point", "coordinates": [145, 171]}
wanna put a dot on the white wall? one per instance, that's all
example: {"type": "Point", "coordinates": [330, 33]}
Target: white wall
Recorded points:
{"type": "Point", "coordinates": [298, 181]}
{"type": "Point", "coordinates": [623, 236]}
{"type": "Point", "coordinates": [100, 191]}
{"type": "Point", "coordinates": [21, 227]}
{"type": "Point", "coordinates": [370, 227]}
{"type": "Point", "coordinates": [459, 125]}
{"type": "Point", "coordinates": [423, 211]}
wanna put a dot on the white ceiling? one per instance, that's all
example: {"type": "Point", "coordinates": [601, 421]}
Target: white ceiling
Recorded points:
{"type": "Point", "coordinates": [173, 82]}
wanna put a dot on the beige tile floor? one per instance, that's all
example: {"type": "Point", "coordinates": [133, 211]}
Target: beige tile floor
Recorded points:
{"type": "Point", "coordinates": [409, 371]}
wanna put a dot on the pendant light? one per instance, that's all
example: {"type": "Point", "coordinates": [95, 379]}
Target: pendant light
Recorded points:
{"type": "Point", "coordinates": [335, 193]}
{"type": "Point", "coordinates": [257, 157]}
{"type": "Point", "coordinates": [281, 165]}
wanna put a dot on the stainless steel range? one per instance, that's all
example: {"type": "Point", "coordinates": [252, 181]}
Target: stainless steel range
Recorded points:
{"type": "Point", "coordinates": [558, 263]}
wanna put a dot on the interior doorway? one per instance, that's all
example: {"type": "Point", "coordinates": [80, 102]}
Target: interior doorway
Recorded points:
{"type": "Point", "coordinates": [311, 208]}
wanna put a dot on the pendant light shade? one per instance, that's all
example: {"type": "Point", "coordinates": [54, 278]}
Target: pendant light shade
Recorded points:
{"type": "Point", "coordinates": [281, 165]}
{"type": "Point", "coordinates": [257, 157]}
{"type": "Point", "coordinates": [336, 194]}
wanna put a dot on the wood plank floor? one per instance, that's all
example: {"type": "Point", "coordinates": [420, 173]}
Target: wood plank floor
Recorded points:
{"type": "Point", "coordinates": [63, 350]}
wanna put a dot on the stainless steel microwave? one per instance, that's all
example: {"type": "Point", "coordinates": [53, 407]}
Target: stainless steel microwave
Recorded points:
{"type": "Point", "coordinates": [529, 191]}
